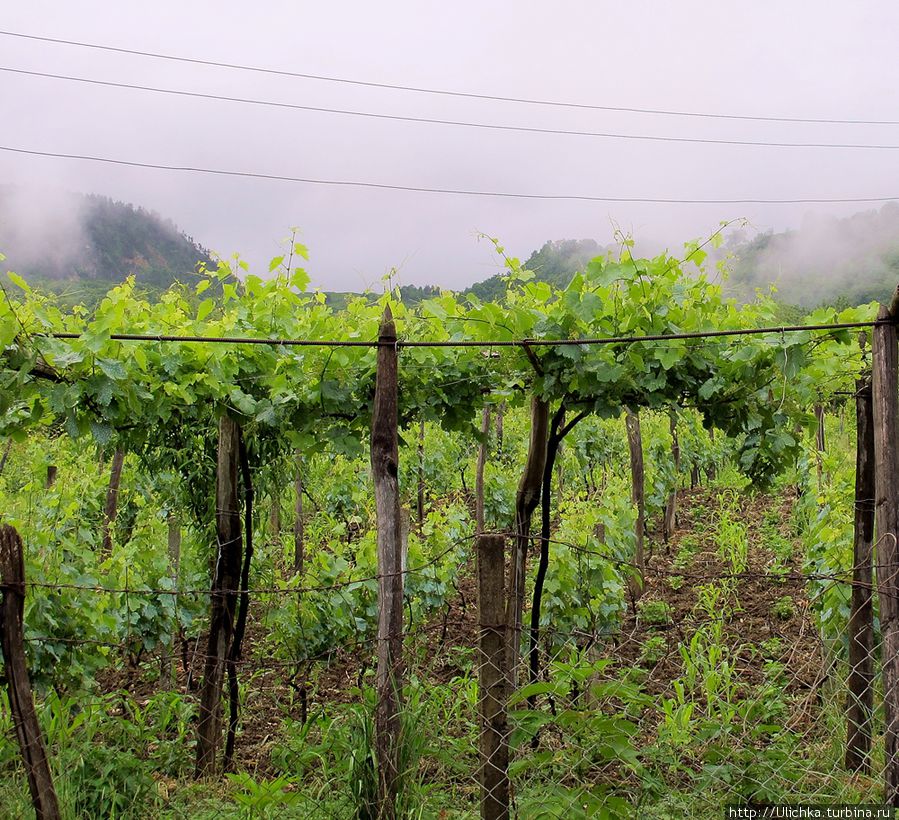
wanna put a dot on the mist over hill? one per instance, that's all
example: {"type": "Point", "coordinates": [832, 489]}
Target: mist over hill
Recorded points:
{"type": "Point", "coordinates": [78, 245]}
{"type": "Point", "coordinates": [827, 260]}
{"type": "Point", "coordinates": [58, 238]}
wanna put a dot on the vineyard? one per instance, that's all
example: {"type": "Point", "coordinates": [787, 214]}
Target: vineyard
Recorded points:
{"type": "Point", "coordinates": [600, 551]}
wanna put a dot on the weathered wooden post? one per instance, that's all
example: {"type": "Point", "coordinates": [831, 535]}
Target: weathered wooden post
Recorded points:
{"type": "Point", "coordinates": [112, 499]}
{"type": "Point", "coordinates": [225, 583]}
{"type": "Point", "coordinates": [860, 683]}
{"type": "Point", "coordinates": [526, 500]}
{"type": "Point", "coordinates": [638, 495]}
{"type": "Point", "coordinates": [820, 444]}
{"type": "Point", "coordinates": [167, 672]}
{"type": "Point", "coordinates": [299, 531]}
{"type": "Point", "coordinates": [385, 474]}
{"type": "Point", "coordinates": [670, 521]}
{"type": "Point", "coordinates": [479, 471]}
{"type": "Point", "coordinates": [21, 700]}
{"type": "Point", "coordinates": [492, 679]}
{"type": "Point", "coordinates": [421, 475]}
{"type": "Point", "coordinates": [885, 359]}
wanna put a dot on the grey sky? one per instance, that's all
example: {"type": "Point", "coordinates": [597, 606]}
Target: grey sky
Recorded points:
{"type": "Point", "coordinates": [805, 59]}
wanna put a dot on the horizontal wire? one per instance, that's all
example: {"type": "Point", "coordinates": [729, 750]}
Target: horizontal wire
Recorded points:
{"type": "Point", "coordinates": [437, 121]}
{"type": "Point", "coordinates": [444, 92]}
{"type": "Point", "coordinates": [384, 186]}
{"type": "Point", "coordinates": [401, 343]}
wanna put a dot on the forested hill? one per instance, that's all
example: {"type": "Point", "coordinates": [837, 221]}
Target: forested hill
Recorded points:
{"type": "Point", "coordinates": [57, 239]}
{"type": "Point", "coordinates": [556, 263]}
{"type": "Point", "coordinates": [826, 261]}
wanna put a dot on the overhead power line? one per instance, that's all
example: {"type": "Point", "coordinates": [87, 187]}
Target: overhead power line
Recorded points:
{"type": "Point", "coordinates": [454, 191]}
{"type": "Point", "coordinates": [441, 91]}
{"type": "Point", "coordinates": [435, 121]}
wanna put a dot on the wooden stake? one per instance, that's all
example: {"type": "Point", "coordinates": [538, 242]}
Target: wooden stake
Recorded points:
{"type": "Point", "coordinates": [860, 699]}
{"type": "Point", "coordinates": [112, 499]}
{"type": "Point", "coordinates": [240, 628]}
{"type": "Point", "coordinates": [479, 472]}
{"type": "Point", "coordinates": [492, 679]}
{"type": "Point", "coordinates": [385, 472]}
{"type": "Point", "coordinates": [299, 532]}
{"type": "Point", "coordinates": [274, 517]}
{"type": "Point", "coordinates": [226, 579]}
{"type": "Point", "coordinates": [174, 549]}
{"type": "Point", "coordinates": [886, 454]}
{"type": "Point", "coordinates": [526, 501]}
{"type": "Point", "coordinates": [638, 494]}
{"type": "Point", "coordinates": [421, 475]}
{"type": "Point", "coordinates": [820, 445]}
{"type": "Point", "coordinates": [21, 700]}
{"type": "Point", "coordinates": [670, 521]}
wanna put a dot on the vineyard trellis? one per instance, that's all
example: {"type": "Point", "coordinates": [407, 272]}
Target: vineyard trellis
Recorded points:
{"type": "Point", "coordinates": [161, 396]}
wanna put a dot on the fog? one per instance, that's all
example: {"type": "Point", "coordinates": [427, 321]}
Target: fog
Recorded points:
{"type": "Point", "coordinates": [802, 59]}
{"type": "Point", "coordinates": [45, 226]}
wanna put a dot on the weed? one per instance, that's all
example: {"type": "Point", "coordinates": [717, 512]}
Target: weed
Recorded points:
{"type": "Point", "coordinates": [772, 647]}
{"type": "Point", "coordinates": [654, 649]}
{"type": "Point", "coordinates": [784, 608]}
{"type": "Point", "coordinates": [655, 613]}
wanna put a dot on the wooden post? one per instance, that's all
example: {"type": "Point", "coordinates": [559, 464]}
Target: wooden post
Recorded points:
{"type": "Point", "coordinates": [274, 516]}
{"type": "Point", "coordinates": [492, 679]}
{"type": "Point", "coordinates": [7, 449]}
{"type": "Point", "coordinates": [479, 472]}
{"type": "Point", "coordinates": [112, 499]}
{"type": "Point", "coordinates": [558, 429]}
{"type": "Point", "coordinates": [385, 473]}
{"type": "Point", "coordinates": [819, 445]}
{"type": "Point", "coordinates": [299, 532]}
{"type": "Point", "coordinates": [885, 358]}
{"type": "Point", "coordinates": [670, 521]}
{"type": "Point", "coordinates": [860, 683]}
{"type": "Point", "coordinates": [526, 500]}
{"type": "Point", "coordinates": [421, 475]}
{"type": "Point", "coordinates": [820, 441]}
{"type": "Point", "coordinates": [225, 583]}
{"type": "Point", "coordinates": [174, 548]}
{"type": "Point", "coordinates": [638, 494]}
{"type": "Point", "coordinates": [240, 627]}
{"type": "Point", "coordinates": [21, 700]}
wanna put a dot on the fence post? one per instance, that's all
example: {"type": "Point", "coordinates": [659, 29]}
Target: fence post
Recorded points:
{"type": "Point", "coordinates": [385, 472]}
{"type": "Point", "coordinates": [527, 498]}
{"type": "Point", "coordinates": [492, 679]}
{"type": "Point", "coordinates": [225, 583]}
{"type": "Point", "coordinates": [112, 499]}
{"type": "Point", "coordinates": [860, 698]}
{"type": "Point", "coordinates": [885, 358]}
{"type": "Point", "coordinates": [21, 701]}
{"type": "Point", "coordinates": [638, 495]}
{"type": "Point", "coordinates": [820, 445]}
{"type": "Point", "coordinates": [479, 471]}
{"type": "Point", "coordinates": [421, 475]}
{"type": "Point", "coordinates": [299, 528]}
{"type": "Point", "coordinates": [670, 520]}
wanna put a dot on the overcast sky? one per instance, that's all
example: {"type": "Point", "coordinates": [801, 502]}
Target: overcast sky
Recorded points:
{"type": "Point", "coordinates": [798, 59]}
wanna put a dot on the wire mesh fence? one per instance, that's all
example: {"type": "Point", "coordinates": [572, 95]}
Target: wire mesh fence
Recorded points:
{"type": "Point", "coordinates": [715, 685]}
